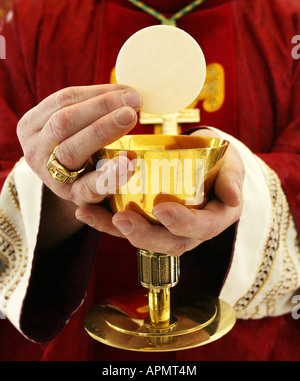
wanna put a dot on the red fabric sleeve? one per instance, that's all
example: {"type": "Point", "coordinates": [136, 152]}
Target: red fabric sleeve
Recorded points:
{"type": "Point", "coordinates": [58, 284]}
{"type": "Point", "coordinates": [16, 96]}
{"type": "Point", "coordinates": [284, 157]}
{"type": "Point", "coordinates": [59, 278]}
{"type": "Point", "coordinates": [269, 88]}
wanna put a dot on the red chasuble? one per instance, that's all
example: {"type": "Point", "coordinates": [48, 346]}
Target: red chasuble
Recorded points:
{"type": "Point", "coordinates": [251, 92]}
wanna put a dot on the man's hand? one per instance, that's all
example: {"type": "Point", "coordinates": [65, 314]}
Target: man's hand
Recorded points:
{"type": "Point", "coordinates": [79, 121]}
{"type": "Point", "coordinates": [182, 229]}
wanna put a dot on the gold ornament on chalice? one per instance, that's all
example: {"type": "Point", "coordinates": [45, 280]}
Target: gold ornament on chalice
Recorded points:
{"type": "Point", "coordinates": [165, 168]}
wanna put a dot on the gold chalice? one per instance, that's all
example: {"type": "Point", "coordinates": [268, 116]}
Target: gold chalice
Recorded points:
{"type": "Point", "coordinates": [165, 168]}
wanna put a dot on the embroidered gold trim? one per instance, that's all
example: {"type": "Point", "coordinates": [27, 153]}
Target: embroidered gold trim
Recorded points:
{"type": "Point", "coordinates": [13, 250]}
{"type": "Point", "coordinates": [213, 91]}
{"type": "Point", "coordinates": [288, 279]}
{"type": "Point", "coordinates": [13, 255]}
{"type": "Point", "coordinates": [276, 240]}
{"type": "Point", "coordinates": [3, 261]}
{"type": "Point", "coordinates": [13, 191]}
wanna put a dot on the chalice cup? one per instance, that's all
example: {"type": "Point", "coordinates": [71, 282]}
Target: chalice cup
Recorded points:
{"type": "Point", "coordinates": [164, 168]}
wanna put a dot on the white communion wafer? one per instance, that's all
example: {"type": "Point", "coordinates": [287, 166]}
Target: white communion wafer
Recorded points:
{"type": "Point", "coordinates": [165, 65]}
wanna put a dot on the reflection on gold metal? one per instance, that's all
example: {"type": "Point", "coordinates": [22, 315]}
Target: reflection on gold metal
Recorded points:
{"type": "Point", "coordinates": [158, 273]}
{"type": "Point", "coordinates": [167, 168]}
{"type": "Point", "coordinates": [170, 124]}
{"type": "Point", "coordinates": [197, 323]}
{"type": "Point", "coordinates": [159, 307]}
{"type": "Point", "coordinates": [166, 326]}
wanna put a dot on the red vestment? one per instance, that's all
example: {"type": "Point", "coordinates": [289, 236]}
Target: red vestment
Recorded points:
{"type": "Point", "coordinates": [52, 45]}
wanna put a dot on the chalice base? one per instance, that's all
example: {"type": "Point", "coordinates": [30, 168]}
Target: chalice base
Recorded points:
{"type": "Point", "coordinates": [192, 324]}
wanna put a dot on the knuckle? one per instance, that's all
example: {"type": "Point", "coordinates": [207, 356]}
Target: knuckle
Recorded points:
{"type": "Point", "coordinates": [59, 121]}
{"type": "Point", "coordinates": [73, 196]}
{"type": "Point", "coordinates": [67, 155]}
{"type": "Point", "coordinates": [178, 249]}
{"type": "Point", "coordinates": [138, 241]}
{"type": "Point", "coordinates": [212, 230]}
{"type": "Point", "coordinates": [182, 229]}
{"type": "Point", "coordinates": [64, 97]}
{"type": "Point", "coordinates": [20, 130]}
{"type": "Point", "coordinates": [100, 131]}
{"type": "Point", "coordinates": [105, 103]}
{"type": "Point", "coordinates": [135, 242]}
{"type": "Point", "coordinates": [85, 191]}
{"type": "Point", "coordinates": [23, 125]}
{"type": "Point", "coordinates": [237, 212]}
{"type": "Point", "coordinates": [29, 156]}
{"type": "Point", "coordinates": [110, 101]}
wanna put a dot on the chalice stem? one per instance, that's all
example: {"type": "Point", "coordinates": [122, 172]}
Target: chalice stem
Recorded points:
{"type": "Point", "coordinates": [159, 303]}
{"type": "Point", "coordinates": [158, 273]}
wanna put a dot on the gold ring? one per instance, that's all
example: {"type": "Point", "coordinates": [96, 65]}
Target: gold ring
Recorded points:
{"type": "Point", "coordinates": [60, 173]}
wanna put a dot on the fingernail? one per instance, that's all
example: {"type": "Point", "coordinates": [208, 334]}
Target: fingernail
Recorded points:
{"type": "Point", "coordinates": [86, 220]}
{"type": "Point", "coordinates": [164, 217]}
{"type": "Point", "coordinates": [124, 226]}
{"type": "Point", "coordinates": [124, 116]}
{"type": "Point", "coordinates": [132, 99]}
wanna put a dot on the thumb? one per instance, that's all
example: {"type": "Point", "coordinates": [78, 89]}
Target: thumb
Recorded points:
{"type": "Point", "coordinates": [229, 182]}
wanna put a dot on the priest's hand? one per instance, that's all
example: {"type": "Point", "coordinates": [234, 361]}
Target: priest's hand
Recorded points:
{"type": "Point", "coordinates": [78, 121]}
{"type": "Point", "coordinates": [182, 229]}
